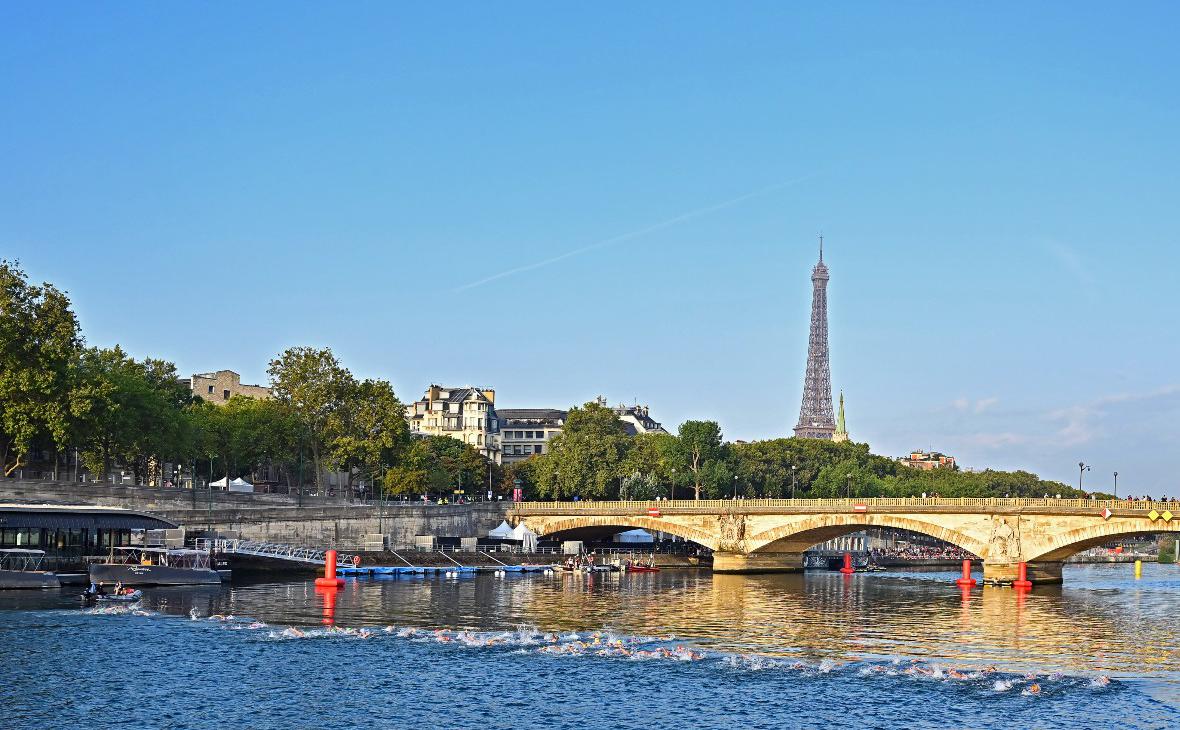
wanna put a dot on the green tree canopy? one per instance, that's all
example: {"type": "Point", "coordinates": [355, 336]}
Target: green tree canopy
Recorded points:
{"type": "Point", "coordinates": [368, 430]}
{"type": "Point", "coordinates": [586, 458]}
{"type": "Point", "coordinates": [701, 451]}
{"type": "Point", "coordinates": [438, 465]}
{"type": "Point", "coordinates": [39, 349]}
{"type": "Point", "coordinates": [314, 385]}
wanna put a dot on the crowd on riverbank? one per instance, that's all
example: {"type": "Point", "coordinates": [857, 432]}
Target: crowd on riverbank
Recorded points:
{"type": "Point", "coordinates": [923, 552]}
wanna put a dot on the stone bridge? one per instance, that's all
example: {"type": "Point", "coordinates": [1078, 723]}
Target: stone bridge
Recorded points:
{"type": "Point", "coordinates": [770, 535]}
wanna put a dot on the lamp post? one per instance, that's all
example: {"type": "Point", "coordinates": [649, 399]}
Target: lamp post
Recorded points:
{"type": "Point", "coordinates": [735, 486]}
{"type": "Point", "coordinates": [672, 486]}
{"type": "Point", "coordinates": [848, 485]}
{"type": "Point", "coordinates": [1082, 468]}
{"type": "Point", "coordinates": [1116, 485]}
{"type": "Point", "coordinates": [793, 468]}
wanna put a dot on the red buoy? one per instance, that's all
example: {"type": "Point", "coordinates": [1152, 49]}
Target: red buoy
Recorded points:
{"type": "Point", "coordinates": [966, 581]}
{"type": "Point", "coordinates": [1022, 580]}
{"type": "Point", "coordinates": [847, 569]}
{"type": "Point", "coordinates": [329, 580]}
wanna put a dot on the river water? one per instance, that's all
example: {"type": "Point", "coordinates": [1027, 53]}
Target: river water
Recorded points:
{"type": "Point", "coordinates": [673, 649]}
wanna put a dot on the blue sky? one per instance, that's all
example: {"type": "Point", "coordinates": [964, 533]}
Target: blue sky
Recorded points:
{"type": "Point", "coordinates": [639, 189]}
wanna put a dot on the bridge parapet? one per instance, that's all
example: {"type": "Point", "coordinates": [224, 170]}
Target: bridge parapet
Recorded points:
{"type": "Point", "coordinates": [776, 506]}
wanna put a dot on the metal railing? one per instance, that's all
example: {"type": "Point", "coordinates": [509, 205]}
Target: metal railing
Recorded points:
{"type": "Point", "coordinates": [274, 551]}
{"type": "Point", "coordinates": [754, 505]}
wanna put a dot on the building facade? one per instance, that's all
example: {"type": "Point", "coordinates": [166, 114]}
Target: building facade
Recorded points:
{"type": "Point", "coordinates": [467, 414]}
{"type": "Point", "coordinates": [218, 387]}
{"type": "Point", "coordinates": [927, 460]}
{"type": "Point", "coordinates": [525, 432]}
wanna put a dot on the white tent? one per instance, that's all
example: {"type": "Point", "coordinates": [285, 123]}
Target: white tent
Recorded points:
{"type": "Point", "coordinates": [528, 538]}
{"type": "Point", "coordinates": [634, 536]}
{"type": "Point", "coordinates": [236, 485]}
{"type": "Point", "coordinates": [503, 532]}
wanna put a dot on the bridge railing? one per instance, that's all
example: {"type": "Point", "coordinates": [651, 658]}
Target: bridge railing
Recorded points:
{"type": "Point", "coordinates": [741, 505]}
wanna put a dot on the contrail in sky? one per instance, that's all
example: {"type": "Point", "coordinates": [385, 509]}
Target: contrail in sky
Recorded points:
{"type": "Point", "coordinates": [633, 234]}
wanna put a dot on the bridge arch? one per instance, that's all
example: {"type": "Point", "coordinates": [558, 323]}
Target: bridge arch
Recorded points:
{"type": "Point", "coordinates": [800, 535]}
{"type": "Point", "coordinates": [544, 527]}
{"type": "Point", "coordinates": [1075, 541]}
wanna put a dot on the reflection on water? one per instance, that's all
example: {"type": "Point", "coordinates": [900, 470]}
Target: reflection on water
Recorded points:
{"type": "Point", "coordinates": [820, 627]}
{"type": "Point", "coordinates": [1101, 620]}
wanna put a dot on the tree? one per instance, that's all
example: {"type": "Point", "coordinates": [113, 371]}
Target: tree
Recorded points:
{"type": "Point", "coordinates": [246, 434]}
{"type": "Point", "coordinates": [522, 472]}
{"type": "Point", "coordinates": [648, 466]}
{"type": "Point", "coordinates": [313, 384]}
{"type": "Point", "coordinates": [586, 458]}
{"type": "Point", "coordinates": [129, 412]}
{"type": "Point", "coordinates": [438, 465]}
{"type": "Point", "coordinates": [700, 449]}
{"type": "Point", "coordinates": [368, 430]}
{"type": "Point", "coordinates": [39, 348]}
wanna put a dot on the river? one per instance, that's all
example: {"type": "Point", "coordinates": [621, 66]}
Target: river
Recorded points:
{"type": "Point", "coordinates": [673, 649]}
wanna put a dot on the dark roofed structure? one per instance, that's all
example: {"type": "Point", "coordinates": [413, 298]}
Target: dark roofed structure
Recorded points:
{"type": "Point", "coordinates": [531, 414]}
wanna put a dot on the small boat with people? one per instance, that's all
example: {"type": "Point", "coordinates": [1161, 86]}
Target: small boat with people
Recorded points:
{"type": "Point", "coordinates": [97, 593]}
{"type": "Point", "coordinates": [631, 567]}
{"type": "Point", "coordinates": [154, 566]}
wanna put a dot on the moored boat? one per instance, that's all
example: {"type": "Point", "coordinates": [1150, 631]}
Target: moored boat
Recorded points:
{"type": "Point", "coordinates": [21, 568]}
{"type": "Point", "coordinates": [642, 569]}
{"type": "Point", "coordinates": [141, 566]}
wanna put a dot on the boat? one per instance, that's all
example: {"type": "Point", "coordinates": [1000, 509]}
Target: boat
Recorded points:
{"type": "Point", "coordinates": [21, 568]}
{"type": "Point", "coordinates": [151, 566]}
{"type": "Point", "coordinates": [131, 597]}
{"type": "Point", "coordinates": [642, 569]}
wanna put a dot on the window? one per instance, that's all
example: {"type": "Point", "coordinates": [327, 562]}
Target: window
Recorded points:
{"type": "Point", "coordinates": [210, 388]}
{"type": "Point", "coordinates": [537, 449]}
{"type": "Point", "coordinates": [225, 395]}
{"type": "Point", "coordinates": [528, 434]}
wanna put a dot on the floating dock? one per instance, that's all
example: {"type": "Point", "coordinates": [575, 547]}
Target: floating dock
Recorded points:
{"type": "Point", "coordinates": [391, 570]}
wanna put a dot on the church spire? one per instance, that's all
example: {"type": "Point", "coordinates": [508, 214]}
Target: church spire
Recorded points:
{"type": "Point", "coordinates": [841, 433]}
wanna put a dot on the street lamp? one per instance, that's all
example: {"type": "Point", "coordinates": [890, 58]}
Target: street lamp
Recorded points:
{"type": "Point", "coordinates": [1082, 468]}
{"type": "Point", "coordinates": [672, 486]}
{"type": "Point", "coordinates": [1116, 485]}
{"type": "Point", "coordinates": [848, 485]}
{"type": "Point", "coordinates": [793, 468]}
{"type": "Point", "coordinates": [735, 486]}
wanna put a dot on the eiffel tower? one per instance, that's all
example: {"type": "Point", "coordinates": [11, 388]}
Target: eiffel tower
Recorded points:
{"type": "Point", "coordinates": [816, 420]}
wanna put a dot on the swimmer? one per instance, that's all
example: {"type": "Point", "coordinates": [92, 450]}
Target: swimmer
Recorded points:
{"type": "Point", "coordinates": [1034, 689]}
